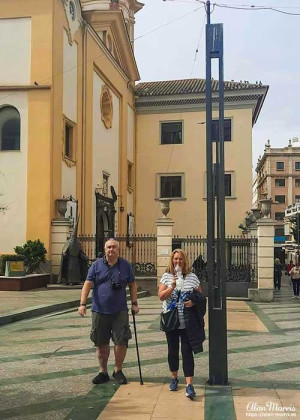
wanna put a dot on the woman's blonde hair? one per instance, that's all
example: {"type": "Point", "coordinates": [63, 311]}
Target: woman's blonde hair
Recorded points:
{"type": "Point", "coordinates": [186, 266]}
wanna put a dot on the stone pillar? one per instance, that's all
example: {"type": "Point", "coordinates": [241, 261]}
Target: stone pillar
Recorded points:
{"type": "Point", "coordinates": [252, 232]}
{"type": "Point", "coordinates": [60, 232]}
{"type": "Point", "coordinates": [265, 260]}
{"type": "Point", "coordinates": [164, 227]}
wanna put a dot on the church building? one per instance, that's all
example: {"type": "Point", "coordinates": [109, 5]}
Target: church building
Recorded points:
{"type": "Point", "coordinates": [67, 117]}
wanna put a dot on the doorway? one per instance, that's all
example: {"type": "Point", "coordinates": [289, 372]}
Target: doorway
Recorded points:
{"type": "Point", "coordinates": [105, 221]}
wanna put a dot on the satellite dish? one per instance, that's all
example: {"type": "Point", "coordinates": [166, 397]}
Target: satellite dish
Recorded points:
{"type": "Point", "coordinates": [113, 193]}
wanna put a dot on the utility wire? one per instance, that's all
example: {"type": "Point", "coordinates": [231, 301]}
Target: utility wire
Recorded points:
{"type": "Point", "coordinates": [248, 7]}
{"type": "Point", "coordinates": [197, 49]}
{"type": "Point", "coordinates": [168, 23]}
{"type": "Point", "coordinates": [255, 8]}
{"type": "Point", "coordinates": [238, 7]}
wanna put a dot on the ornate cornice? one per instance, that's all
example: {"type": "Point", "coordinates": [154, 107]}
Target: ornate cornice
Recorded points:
{"type": "Point", "coordinates": [114, 20]}
{"type": "Point", "coordinates": [150, 105]}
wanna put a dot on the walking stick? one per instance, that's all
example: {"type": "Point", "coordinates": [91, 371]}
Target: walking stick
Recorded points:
{"type": "Point", "coordinates": [137, 348]}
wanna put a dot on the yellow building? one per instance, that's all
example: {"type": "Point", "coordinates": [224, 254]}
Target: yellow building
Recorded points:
{"type": "Point", "coordinates": [67, 115]}
{"type": "Point", "coordinates": [73, 124]}
{"type": "Point", "coordinates": [171, 155]}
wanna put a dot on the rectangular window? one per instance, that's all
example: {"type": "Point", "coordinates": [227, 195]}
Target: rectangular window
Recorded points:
{"type": "Point", "coordinates": [171, 132]}
{"type": "Point", "coordinates": [279, 215]}
{"type": "Point", "coordinates": [279, 182]}
{"type": "Point", "coordinates": [297, 166]}
{"type": "Point", "coordinates": [297, 198]}
{"type": "Point", "coordinates": [69, 141]}
{"type": "Point", "coordinates": [129, 176]}
{"type": "Point", "coordinates": [280, 198]}
{"type": "Point", "coordinates": [170, 186]}
{"type": "Point", "coordinates": [215, 130]}
{"type": "Point", "coordinates": [228, 185]}
{"type": "Point", "coordinates": [297, 182]}
{"type": "Point", "coordinates": [280, 166]}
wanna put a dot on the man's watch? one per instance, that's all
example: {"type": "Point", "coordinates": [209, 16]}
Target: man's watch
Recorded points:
{"type": "Point", "coordinates": [82, 304]}
{"type": "Point", "coordinates": [134, 303]}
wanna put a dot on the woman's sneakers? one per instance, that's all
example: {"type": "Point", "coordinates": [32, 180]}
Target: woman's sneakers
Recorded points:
{"type": "Point", "coordinates": [190, 392]}
{"type": "Point", "coordinates": [173, 384]}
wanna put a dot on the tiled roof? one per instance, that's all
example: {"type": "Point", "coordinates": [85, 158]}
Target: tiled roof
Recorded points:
{"type": "Point", "coordinates": [184, 86]}
{"type": "Point", "coordinates": [193, 101]}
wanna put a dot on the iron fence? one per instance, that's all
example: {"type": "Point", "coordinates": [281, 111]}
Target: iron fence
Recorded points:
{"type": "Point", "coordinates": [139, 250]}
{"type": "Point", "coordinates": [241, 256]}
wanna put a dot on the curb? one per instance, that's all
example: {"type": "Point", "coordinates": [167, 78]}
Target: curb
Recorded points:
{"type": "Point", "coordinates": [38, 311]}
{"type": "Point", "coordinates": [43, 310]}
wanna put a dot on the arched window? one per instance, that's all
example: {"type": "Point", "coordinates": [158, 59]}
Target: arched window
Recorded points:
{"type": "Point", "coordinates": [9, 128]}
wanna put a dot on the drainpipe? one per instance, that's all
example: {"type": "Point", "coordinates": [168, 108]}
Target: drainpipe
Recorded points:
{"type": "Point", "coordinates": [83, 144]}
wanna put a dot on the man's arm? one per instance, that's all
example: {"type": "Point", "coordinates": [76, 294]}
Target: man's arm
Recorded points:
{"type": "Point", "coordinates": [133, 294]}
{"type": "Point", "coordinates": [83, 298]}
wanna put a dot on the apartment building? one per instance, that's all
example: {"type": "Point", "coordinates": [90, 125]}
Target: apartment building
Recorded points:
{"type": "Point", "coordinates": [278, 177]}
{"type": "Point", "coordinates": [171, 151]}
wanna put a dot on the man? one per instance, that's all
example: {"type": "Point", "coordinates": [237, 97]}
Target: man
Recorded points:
{"type": "Point", "coordinates": [277, 273]}
{"type": "Point", "coordinates": [109, 277]}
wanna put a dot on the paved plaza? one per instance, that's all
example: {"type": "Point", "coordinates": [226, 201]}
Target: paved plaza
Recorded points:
{"type": "Point", "coordinates": [47, 364]}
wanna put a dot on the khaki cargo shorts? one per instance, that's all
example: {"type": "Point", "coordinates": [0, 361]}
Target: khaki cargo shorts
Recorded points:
{"type": "Point", "coordinates": [106, 327]}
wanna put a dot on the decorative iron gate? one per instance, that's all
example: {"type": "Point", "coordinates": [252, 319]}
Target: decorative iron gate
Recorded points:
{"type": "Point", "coordinates": [241, 256]}
{"type": "Point", "coordinates": [139, 250]}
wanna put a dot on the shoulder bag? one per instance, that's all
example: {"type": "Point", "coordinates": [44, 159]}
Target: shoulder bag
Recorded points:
{"type": "Point", "coordinates": [169, 321]}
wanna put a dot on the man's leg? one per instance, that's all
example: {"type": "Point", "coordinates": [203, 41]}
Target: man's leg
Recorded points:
{"type": "Point", "coordinates": [120, 353]}
{"type": "Point", "coordinates": [100, 335]}
{"type": "Point", "coordinates": [103, 355]}
{"type": "Point", "coordinates": [120, 335]}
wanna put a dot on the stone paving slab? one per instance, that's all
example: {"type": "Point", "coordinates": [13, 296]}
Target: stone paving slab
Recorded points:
{"type": "Point", "coordinates": [47, 363]}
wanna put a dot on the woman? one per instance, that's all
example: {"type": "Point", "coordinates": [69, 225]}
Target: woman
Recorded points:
{"type": "Point", "coordinates": [172, 285]}
{"type": "Point", "coordinates": [289, 267]}
{"type": "Point", "coordinates": [295, 276]}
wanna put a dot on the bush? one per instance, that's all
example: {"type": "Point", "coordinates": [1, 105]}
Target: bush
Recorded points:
{"type": "Point", "coordinates": [34, 253]}
{"type": "Point", "coordinates": [8, 257]}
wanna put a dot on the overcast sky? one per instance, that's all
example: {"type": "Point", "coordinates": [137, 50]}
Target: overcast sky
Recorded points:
{"type": "Point", "coordinates": [258, 46]}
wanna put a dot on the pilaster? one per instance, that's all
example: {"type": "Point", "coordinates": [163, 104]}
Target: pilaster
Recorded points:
{"type": "Point", "coordinates": [265, 260]}
{"type": "Point", "coordinates": [164, 226]}
{"type": "Point", "coordinates": [60, 232]}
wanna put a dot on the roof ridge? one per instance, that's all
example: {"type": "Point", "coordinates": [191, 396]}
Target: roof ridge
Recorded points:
{"type": "Point", "coordinates": [190, 86]}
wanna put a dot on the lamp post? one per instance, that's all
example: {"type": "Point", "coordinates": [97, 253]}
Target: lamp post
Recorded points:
{"type": "Point", "coordinates": [298, 239]}
{"type": "Point", "coordinates": [216, 265]}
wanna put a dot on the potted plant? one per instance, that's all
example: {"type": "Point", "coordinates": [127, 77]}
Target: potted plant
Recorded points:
{"type": "Point", "coordinates": [34, 253]}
